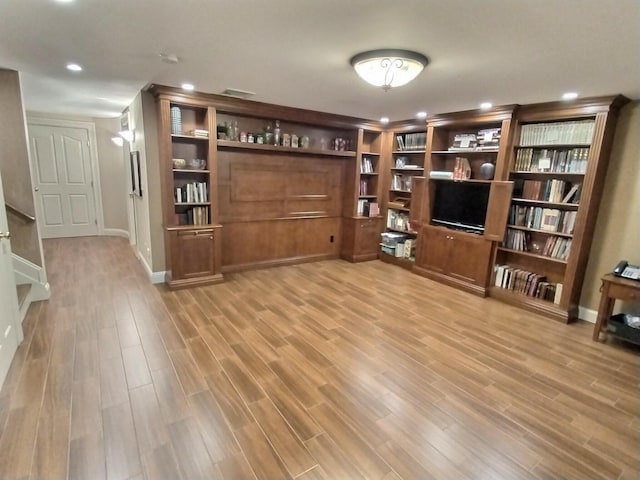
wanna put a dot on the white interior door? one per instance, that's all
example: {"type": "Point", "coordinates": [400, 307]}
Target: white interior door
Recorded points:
{"type": "Point", "coordinates": [63, 181]}
{"type": "Point", "coordinates": [10, 328]}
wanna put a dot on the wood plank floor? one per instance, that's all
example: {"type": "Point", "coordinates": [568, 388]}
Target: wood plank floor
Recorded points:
{"type": "Point", "coordinates": [327, 370]}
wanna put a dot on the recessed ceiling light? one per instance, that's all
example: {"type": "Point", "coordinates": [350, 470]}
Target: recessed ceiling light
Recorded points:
{"type": "Point", "coordinates": [421, 114]}
{"type": "Point", "coordinates": [170, 58]}
{"type": "Point", "coordinates": [485, 105]}
{"type": "Point", "coordinates": [74, 67]}
{"type": "Point", "coordinates": [187, 86]}
{"type": "Point", "coordinates": [384, 120]}
{"type": "Point", "coordinates": [64, 1]}
{"type": "Point", "coordinates": [569, 96]}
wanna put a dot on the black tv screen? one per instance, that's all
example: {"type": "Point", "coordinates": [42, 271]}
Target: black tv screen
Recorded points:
{"type": "Point", "coordinates": [461, 205]}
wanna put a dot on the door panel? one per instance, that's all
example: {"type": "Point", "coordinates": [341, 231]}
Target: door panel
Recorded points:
{"type": "Point", "coordinates": [52, 210]}
{"type": "Point", "coordinates": [79, 210]}
{"type": "Point", "coordinates": [64, 187]}
{"type": "Point", "coordinates": [73, 160]}
{"type": "Point", "coordinates": [46, 168]}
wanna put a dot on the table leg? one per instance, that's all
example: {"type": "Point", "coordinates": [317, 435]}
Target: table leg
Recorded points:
{"type": "Point", "coordinates": [604, 312]}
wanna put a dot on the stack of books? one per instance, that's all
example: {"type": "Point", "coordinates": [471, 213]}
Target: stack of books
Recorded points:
{"type": "Point", "coordinates": [488, 139]}
{"type": "Point", "coordinates": [199, 133]}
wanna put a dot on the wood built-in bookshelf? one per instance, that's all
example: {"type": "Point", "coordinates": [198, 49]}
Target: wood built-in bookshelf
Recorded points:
{"type": "Point", "coordinates": [407, 162]}
{"type": "Point", "coordinates": [557, 163]}
{"type": "Point", "coordinates": [189, 190]}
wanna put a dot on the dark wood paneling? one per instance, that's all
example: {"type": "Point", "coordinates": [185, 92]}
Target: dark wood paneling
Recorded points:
{"type": "Point", "coordinates": [262, 243]}
{"type": "Point", "coordinates": [268, 186]}
{"type": "Point", "coordinates": [276, 207]}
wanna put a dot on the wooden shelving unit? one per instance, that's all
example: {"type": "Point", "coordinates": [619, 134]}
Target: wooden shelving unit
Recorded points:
{"type": "Point", "coordinates": [362, 220]}
{"type": "Point", "coordinates": [556, 147]}
{"type": "Point", "coordinates": [447, 252]}
{"type": "Point", "coordinates": [192, 231]}
{"type": "Point", "coordinates": [406, 163]}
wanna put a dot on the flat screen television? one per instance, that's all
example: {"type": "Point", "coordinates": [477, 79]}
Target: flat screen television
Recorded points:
{"type": "Point", "coordinates": [461, 205]}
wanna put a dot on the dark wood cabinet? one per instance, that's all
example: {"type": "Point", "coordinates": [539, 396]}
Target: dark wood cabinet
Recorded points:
{"type": "Point", "coordinates": [195, 256]}
{"type": "Point", "coordinates": [457, 258]}
{"type": "Point", "coordinates": [188, 170]}
{"type": "Point", "coordinates": [361, 239]}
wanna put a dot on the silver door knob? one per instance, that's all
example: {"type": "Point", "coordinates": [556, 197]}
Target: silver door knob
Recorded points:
{"type": "Point", "coordinates": [5, 234]}
{"type": "Point", "coordinates": [37, 189]}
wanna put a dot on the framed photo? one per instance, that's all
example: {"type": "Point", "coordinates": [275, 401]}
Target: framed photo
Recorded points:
{"type": "Point", "coordinates": [136, 179]}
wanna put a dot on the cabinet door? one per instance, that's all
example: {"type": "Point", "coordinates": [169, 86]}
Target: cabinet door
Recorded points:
{"type": "Point", "coordinates": [498, 210]}
{"type": "Point", "coordinates": [193, 254]}
{"type": "Point", "coordinates": [368, 236]}
{"type": "Point", "coordinates": [433, 247]}
{"type": "Point", "coordinates": [468, 258]}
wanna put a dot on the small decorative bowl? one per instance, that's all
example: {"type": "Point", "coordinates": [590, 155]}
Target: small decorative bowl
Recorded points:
{"type": "Point", "coordinates": [179, 163]}
{"type": "Point", "coordinates": [196, 163]}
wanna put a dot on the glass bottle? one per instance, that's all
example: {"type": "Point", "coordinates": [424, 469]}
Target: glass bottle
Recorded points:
{"type": "Point", "coordinates": [268, 134]}
{"type": "Point", "coordinates": [236, 131]}
{"type": "Point", "coordinates": [276, 133]}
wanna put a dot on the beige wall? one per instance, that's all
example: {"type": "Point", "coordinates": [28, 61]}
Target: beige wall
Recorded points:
{"type": "Point", "coordinates": [149, 207]}
{"type": "Point", "coordinates": [617, 234]}
{"type": "Point", "coordinates": [14, 167]}
{"type": "Point", "coordinates": [113, 175]}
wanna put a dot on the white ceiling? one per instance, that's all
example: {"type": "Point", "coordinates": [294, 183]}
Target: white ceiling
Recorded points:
{"type": "Point", "coordinates": [296, 52]}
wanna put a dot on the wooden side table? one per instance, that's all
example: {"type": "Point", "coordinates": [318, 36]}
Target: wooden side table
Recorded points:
{"type": "Point", "coordinates": [613, 288]}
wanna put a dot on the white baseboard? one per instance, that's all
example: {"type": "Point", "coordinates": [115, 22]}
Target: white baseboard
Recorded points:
{"type": "Point", "coordinates": [154, 277]}
{"type": "Point", "coordinates": [587, 314]}
{"type": "Point", "coordinates": [116, 232]}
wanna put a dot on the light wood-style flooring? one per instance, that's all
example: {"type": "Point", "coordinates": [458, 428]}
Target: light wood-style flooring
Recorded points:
{"type": "Point", "coordinates": [327, 370]}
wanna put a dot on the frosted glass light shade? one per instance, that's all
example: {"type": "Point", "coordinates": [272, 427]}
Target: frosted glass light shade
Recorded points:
{"type": "Point", "coordinates": [389, 68]}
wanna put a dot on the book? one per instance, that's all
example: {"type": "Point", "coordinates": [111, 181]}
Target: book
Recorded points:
{"type": "Point", "coordinates": [571, 193]}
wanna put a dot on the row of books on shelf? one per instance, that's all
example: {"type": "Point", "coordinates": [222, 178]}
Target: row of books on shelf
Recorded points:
{"type": "Point", "coordinates": [527, 283]}
{"type": "Point", "coordinates": [573, 160]}
{"type": "Point", "coordinates": [398, 220]}
{"type": "Point", "coordinates": [556, 191]}
{"type": "Point", "coordinates": [195, 192]}
{"type": "Point", "coordinates": [366, 165]}
{"type": "Point", "coordinates": [559, 133]}
{"type": "Point", "coordinates": [364, 188]}
{"type": "Point", "coordinates": [367, 208]}
{"type": "Point", "coordinates": [555, 247]}
{"type": "Point", "coordinates": [539, 218]}
{"type": "Point", "coordinates": [401, 182]}
{"type": "Point", "coordinates": [412, 141]}
{"type": "Point", "coordinates": [193, 216]}
{"type": "Point", "coordinates": [485, 139]}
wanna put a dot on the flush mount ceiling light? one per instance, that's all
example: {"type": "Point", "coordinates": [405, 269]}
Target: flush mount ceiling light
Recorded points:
{"type": "Point", "coordinates": [388, 68]}
{"type": "Point", "coordinates": [74, 67]}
